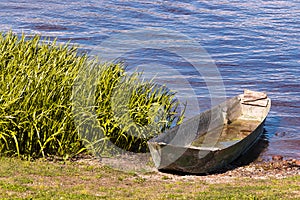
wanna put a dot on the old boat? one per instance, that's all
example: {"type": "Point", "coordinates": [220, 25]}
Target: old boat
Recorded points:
{"type": "Point", "coordinates": [214, 138]}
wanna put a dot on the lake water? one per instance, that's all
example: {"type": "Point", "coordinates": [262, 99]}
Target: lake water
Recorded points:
{"type": "Point", "coordinates": [254, 44]}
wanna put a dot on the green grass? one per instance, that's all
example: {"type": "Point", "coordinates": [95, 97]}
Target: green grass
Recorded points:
{"type": "Point", "coordinates": [72, 180]}
{"type": "Point", "coordinates": [55, 101]}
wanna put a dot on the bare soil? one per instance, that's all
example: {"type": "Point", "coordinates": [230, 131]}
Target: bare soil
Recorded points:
{"type": "Point", "coordinates": [142, 165]}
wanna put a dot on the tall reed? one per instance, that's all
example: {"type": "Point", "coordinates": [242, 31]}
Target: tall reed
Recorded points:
{"type": "Point", "coordinates": [37, 85]}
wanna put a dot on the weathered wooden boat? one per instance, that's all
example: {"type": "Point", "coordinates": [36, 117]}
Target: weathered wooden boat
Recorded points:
{"type": "Point", "coordinates": [213, 139]}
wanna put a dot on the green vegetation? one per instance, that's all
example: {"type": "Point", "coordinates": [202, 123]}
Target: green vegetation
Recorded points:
{"type": "Point", "coordinates": [74, 180]}
{"type": "Point", "coordinates": [49, 93]}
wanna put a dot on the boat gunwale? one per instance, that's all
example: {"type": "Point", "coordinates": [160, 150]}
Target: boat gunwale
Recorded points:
{"type": "Point", "coordinates": [238, 97]}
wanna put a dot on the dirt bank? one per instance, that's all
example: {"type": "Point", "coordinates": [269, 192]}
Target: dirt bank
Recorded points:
{"type": "Point", "coordinates": [144, 167]}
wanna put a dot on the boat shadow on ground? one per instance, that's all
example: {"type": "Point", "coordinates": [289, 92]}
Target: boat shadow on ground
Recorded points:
{"type": "Point", "coordinates": [252, 155]}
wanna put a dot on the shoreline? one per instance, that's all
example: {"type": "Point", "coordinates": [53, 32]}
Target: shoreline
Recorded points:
{"type": "Point", "coordinates": [143, 165]}
{"type": "Point", "coordinates": [91, 178]}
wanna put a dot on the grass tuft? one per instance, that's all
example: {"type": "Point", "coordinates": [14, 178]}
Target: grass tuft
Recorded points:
{"type": "Point", "coordinates": [49, 93]}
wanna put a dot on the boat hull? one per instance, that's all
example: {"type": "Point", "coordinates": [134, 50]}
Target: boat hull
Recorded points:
{"type": "Point", "coordinates": [170, 153]}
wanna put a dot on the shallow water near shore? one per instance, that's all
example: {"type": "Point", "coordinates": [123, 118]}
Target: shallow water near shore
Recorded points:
{"type": "Point", "coordinates": [255, 45]}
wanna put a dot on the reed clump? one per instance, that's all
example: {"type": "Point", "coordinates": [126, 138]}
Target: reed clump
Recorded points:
{"type": "Point", "coordinates": [55, 101]}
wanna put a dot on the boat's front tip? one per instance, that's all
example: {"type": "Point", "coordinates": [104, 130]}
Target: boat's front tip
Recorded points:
{"type": "Point", "coordinates": [155, 152]}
